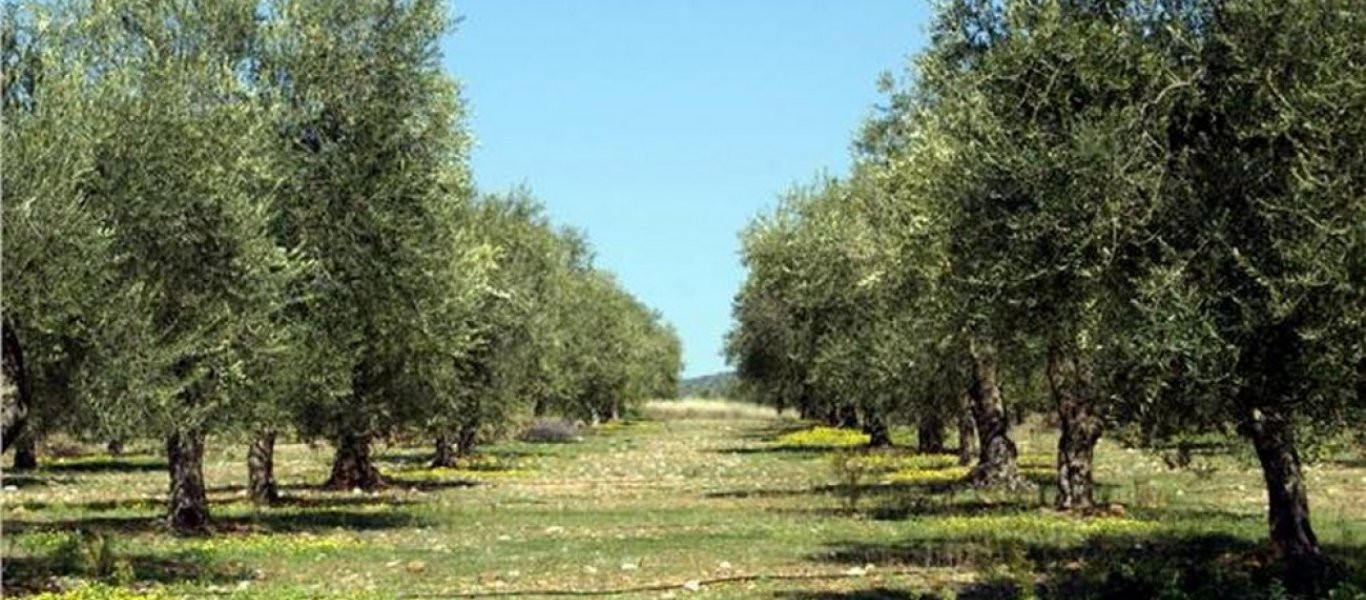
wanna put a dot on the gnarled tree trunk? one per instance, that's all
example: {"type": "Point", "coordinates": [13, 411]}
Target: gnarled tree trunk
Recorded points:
{"type": "Point", "coordinates": [929, 433]}
{"type": "Point", "coordinates": [466, 438]}
{"type": "Point", "coordinates": [351, 465]}
{"type": "Point", "coordinates": [1287, 498]}
{"type": "Point", "coordinates": [876, 428]}
{"type": "Point", "coordinates": [25, 453]}
{"type": "Point", "coordinates": [967, 433]}
{"type": "Point", "coordinates": [846, 416]}
{"type": "Point", "coordinates": [261, 469]}
{"type": "Point", "coordinates": [14, 389]}
{"type": "Point", "coordinates": [445, 453]}
{"type": "Point", "coordinates": [1079, 429]}
{"type": "Point", "coordinates": [188, 507]}
{"type": "Point", "coordinates": [996, 461]}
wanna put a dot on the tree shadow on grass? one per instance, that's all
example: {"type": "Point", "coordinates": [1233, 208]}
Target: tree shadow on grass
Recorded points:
{"type": "Point", "coordinates": [35, 574]}
{"type": "Point", "coordinates": [1103, 567]}
{"type": "Point", "coordinates": [877, 593]}
{"type": "Point", "coordinates": [123, 464]}
{"type": "Point", "coordinates": [285, 520]}
{"type": "Point", "coordinates": [1352, 462]}
{"type": "Point", "coordinates": [156, 503]}
{"type": "Point", "coordinates": [30, 479]}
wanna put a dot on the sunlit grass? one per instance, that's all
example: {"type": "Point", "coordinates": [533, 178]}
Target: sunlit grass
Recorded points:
{"type": "Point", "coordinates": [650, 503]}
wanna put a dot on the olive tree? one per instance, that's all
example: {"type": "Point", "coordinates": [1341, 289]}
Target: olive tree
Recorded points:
{"type": "Point", "coordinates": [1253, 303]}
{"type": "Point", "coordinates": [377, 186]}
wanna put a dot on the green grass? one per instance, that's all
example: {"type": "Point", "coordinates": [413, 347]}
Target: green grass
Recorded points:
{"type": "Point", "coordinates": [659, 504]}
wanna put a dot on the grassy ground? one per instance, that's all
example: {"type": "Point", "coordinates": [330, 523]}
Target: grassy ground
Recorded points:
{"type": "Point", "coordinates": [686, 505]}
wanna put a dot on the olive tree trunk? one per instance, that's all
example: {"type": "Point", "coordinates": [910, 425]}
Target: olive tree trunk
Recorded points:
{"type": "Point", "coordinates": [466, 438]}
{"type": "Point", "coordinates": [445, 453]}
{"type": "Point", "coordinates": [14, 390]}
{"type": "Point", "coordinates": [1287, 497]}
{"type": "Point", "coordinates": [1079, 430]}
{"type": "Point", "coordinates": [25, 453]}
{"type": "Point", "coordinates": [996, 460]}
{"type": "Point", "coordinates": [261, 469]}
{"type": "Point", "coordinates": [351, 465]}
{"type": "Point", "coordinates": [967, 433]}
{"type": "Point", "coordinates": [876, 428]}
{"type": "Point", "coordinates": [929, 432]}
{"type": "Point", "coordinates": [188, 507]}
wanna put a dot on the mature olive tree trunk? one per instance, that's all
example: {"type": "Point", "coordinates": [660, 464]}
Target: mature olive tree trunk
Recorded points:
{"type": "Point", "coordinates": [1287, 498]}
{"type": "Point", "coordinates": [261, 469]}
{"type": "Point", "coordinates": [930, 432]}
{"type": "Point", "coordinates": [351, 465]}
{"type": "Point", "coordinates": [967, 433]}
{"type": "Point", "coordinates": [996, 461]}
{"type": "Point", "coordinates": [188, 510]}
{"type": "Point", "coordinates": [25, 453]}
{"type": "Point", "coordinates": [1079, 429]}
{"type": "Point", "coordinates": [466, 438]}
{"type": "Point", "coordinates": [445, 453]}
{"type": "Point", "coordinates": [876, 427]}
{"type": "Point", "coordinates": [14, 390]}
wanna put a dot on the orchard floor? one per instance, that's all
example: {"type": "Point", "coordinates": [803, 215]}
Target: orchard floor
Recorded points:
{"type": "Point", "coordinates": [688, 508]}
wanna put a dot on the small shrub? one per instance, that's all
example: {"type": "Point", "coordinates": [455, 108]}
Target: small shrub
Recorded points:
{"type": "Point", "coordinates": [850, 471]}
{"type": "Point", "coordinates": [550, 431]}
{"type": "Point", "coordinates": [85, 553]}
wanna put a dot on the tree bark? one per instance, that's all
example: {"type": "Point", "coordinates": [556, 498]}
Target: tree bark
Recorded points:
{"type": "Point", "coordinates": [967, 433]}
{"type": "Point", "coordinates": [25, 453]}
{"type": "Point", "coordinates": [930, 433]}
{"type": "Point", "coordinates": [876, 428]}
{"type": "Point", "coordinates": [466, 439]}
{"type": "Point", "coordinates": [351, 465]}
{"type": "Point", "coordinates": [847, 416]}
{"type": "Point", "coordinates": [996, 461]}
{"type": "Point", "coordinates": [445, 454]}
{"type": "Point", "coordinates": [261, 469]}
{"type": "Point", "coordinates": [1079, 430]}
{"type": "Point", "coordinates": [1287, 499]}
{"type": "Point", "coordinates": [188, 511]}
{"type": "Point", "coordinates": [14, 387]}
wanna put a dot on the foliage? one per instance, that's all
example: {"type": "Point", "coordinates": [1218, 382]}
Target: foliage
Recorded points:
{"type": "Point", "coordinates": [1149, 211]}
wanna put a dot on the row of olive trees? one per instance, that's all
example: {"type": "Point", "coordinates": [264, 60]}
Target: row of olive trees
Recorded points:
{"type": "Point", "coordinates": [258, 217]}
{"type": "Point", "coordinates": [1151, 212]}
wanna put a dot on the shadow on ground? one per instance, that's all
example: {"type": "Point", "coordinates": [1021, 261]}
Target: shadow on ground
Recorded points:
{"type": "Point", "coordinates": [878, 593]}
{"type": "Point", "coordinates": [111, 464]}
{"type": "Point", "coordinates": [283, 520]}
{"type": "Point", "coordinates": [87, 559]}
{"type": "Point", "coordinates": [1119, 567]}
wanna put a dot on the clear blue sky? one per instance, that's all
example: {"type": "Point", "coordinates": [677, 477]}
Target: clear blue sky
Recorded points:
{"type": "Point", "coordinates": [662, 126]}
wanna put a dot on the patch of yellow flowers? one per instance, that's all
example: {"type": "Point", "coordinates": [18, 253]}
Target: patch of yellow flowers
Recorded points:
{"type": "Point", "coordinates": [928, 476]}
{"type": "Point", "coordinates": [1047, 525]}
{"type": "Point", "coordinates": [99, 591]}
{"type": "Point", "coordinates": [823, 437]}
{"type": "Point", "coordinates": [261, 543]}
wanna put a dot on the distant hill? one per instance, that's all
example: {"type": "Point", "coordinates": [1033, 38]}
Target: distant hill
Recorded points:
{"type": "Point", "coordinates": [716, 385]}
